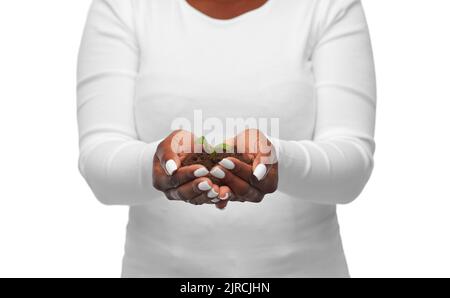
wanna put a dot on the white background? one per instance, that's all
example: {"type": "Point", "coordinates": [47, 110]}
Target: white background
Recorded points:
{"type": "Point", "coordinates": [52, 225]}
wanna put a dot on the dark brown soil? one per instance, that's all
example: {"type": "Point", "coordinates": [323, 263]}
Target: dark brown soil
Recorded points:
{"type": "Point", "coordinates": [211, 160]}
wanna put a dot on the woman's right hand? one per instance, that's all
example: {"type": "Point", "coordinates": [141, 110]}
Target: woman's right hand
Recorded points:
{"type": "Point", "coordinates": [187, 183]}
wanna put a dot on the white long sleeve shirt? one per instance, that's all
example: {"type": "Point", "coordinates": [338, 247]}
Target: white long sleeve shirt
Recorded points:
{"type": "Point", "coordinates": [144, 63]}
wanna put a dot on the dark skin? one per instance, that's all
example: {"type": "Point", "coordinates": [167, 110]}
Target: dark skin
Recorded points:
{"type": "Point", "coordinates": [183, 184]}
{"type": "Point", "coordinates": [241, 184]}
{"type": "Point", "coordinates": [225, 9]}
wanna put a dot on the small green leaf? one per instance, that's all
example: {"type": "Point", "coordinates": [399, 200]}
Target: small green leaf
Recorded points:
{"type": "Point", "coordinates": [208, 148]}
{"type": "Point", "coordinates": [222, 148]}
{"type": "Point", "coordinates": [201, 140]}
{"type": "Point", "coordinates": [226, 147]}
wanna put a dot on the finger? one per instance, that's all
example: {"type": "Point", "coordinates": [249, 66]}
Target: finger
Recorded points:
{"type": "Point", "coordinates": [243, 170]}
{"type": "Point", "coordinates": [222, 204]}
{"type": "Point", "coordinates": [270, 183]}
{"type": "Point", "coordinates": [191, 189]}
{"type": "Point", "coordinates": [213, 194]}
{"type": "Point", "coordinates": [237, 167]}
{"type": "Point", "coordinates": [168, 159]}
{"type": "Point", "coordinates": [264, 172]}
{"type": "Point", "coordinates": [241, 190]}
{"type": "Point", "coordinates": [238, 186]}
{"type": "Point", "coordinates": [163, 182]}
{"type": "Point", "coordinates": [224, 193]}
{"type": "Point", "coordinates": [200, 200]}
{"type": "Point", "coordinates": [158, 175]}
{"type": "Point", "coordinates": [208, 197]}
{"type": "Point", "coordinates": [168, 151]}
{"type": "Point", "coordinates": [224, 196]}
{"type": "Point", "coordinates": [264, 159]}
{"type": "Point", "coordinates": [262, 165]}
{"type": "Point", "coordinates": [186, 174]}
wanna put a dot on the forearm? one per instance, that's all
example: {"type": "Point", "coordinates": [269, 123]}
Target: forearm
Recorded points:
{"type": "Point", "coordinates": [119, 171]}
{"type": "Point", "coordinates": [332, 170]}
{"type": "Point", "coordinates": [116, 164]}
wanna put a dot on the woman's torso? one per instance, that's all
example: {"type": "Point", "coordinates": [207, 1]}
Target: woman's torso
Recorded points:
{"type": "Point", "coordinates": [253, 66]}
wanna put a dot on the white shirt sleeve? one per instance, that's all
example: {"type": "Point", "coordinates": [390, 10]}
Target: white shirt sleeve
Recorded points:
{"type": "Point", "coordinates": [115, 163]}
{"type": "Point", "coordinates": [334, 167]}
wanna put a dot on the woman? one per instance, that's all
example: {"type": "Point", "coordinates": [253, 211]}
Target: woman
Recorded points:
{"type": "Point", "coordinates": [308, 63]}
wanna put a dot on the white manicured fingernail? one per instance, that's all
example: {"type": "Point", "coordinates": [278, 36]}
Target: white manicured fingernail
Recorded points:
{"type": "Point", "coordinates": [201, 172]}
{"type": "Point", "coordinates": [171, 166]}
{"type": "Point", "coordinates": [225, 197]}
{"type": "Point", "coordinates": [212, 194]}
{"type": "Point", "coordinates": [227, 164]}
{"type": "Point", "coordinates": [203, 186]}
{"type": "Point", "coordinates": [218, 173]}
{"type": "Point", "coordinates": [260, 171]}
{"type": "Point", "coordinates": [215, 201]}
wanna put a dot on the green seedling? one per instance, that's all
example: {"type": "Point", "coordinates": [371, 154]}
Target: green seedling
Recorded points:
{"type": "Point", "coordinates": [201, 141]}
{"type": "Point", "coordinates": [213, 151]}
{"type": "Point", "coordinates": [206, 146]}
{"type": "Point", "coordinates": [222, 148]}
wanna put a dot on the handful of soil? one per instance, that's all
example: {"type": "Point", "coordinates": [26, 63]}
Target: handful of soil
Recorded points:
{"type": "Point", "coordinates": [211, 156]}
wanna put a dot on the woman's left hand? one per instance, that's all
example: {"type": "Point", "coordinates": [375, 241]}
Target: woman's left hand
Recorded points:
{"type": "Point", "coordinates": [249, 183]}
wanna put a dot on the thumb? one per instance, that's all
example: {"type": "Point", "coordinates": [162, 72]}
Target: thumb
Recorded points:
{"type": "Point", "coordinates": [262, 164]}
{"type": "Point", "coordinates": [260, 169]}
{"type": "Point", "coordinates": [168, 158]}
